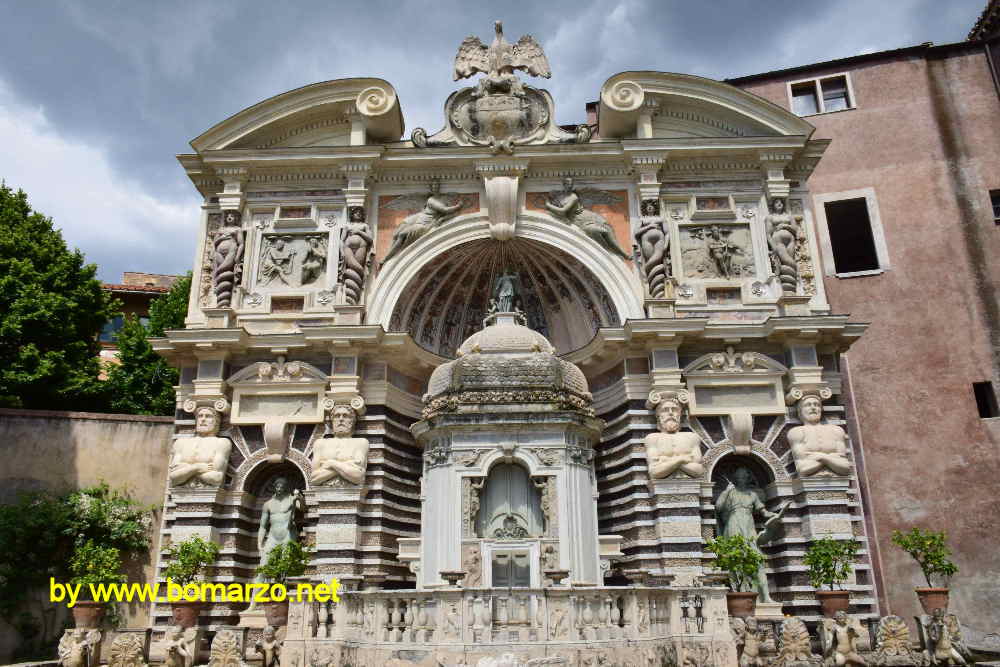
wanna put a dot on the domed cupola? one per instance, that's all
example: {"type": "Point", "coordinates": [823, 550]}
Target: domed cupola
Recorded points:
{"type": "Point", "coordinates": [506, 364]}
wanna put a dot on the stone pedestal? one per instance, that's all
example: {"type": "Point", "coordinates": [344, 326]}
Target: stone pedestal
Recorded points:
{"type": "Point", "coordinates": [676, 506]}
{"type": "Point", "coordinates": [791, 305]}
{"type": "Point", "coordinates": [661, 308]}
{"type": "Point", "coordinates": [349, 314]}
{"type": "Point", "coordinates": [336, 528]}
{"type": "Point", "coordinates": [827, 506]}
{"type": "Point", "coordinates": [192, 512]}
{"type": "Point", "coordinates": [768, 611]}
{"type": "Point", "coordinates": [219, 318]}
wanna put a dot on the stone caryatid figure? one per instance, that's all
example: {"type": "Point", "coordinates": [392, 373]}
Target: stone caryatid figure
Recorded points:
{"type": "Point", "coordinates": [841, 642]}
{"type": "Point", "coordinates": [436, 210]}
{"type": "Point", "coordinates": [736, 507]}
{"type": "Point", "coordinates": [782, 236]}
{"type": "Point", "coordinates": [340, 457]}
{"type": "Point", "coordinates": [817, 447]}
{"type": "Point", "coordinates": [314, 261]}
{"type": "Point", "coordinates": [227, 262]}
{"type": "Point", "coordinates": [355, 244]}
{"type": "Point", "coordinates": [279, 518]}
{"type": "Point", "coordinates": [671, 449]}
{"type": "Point", "coordinates": [498, 62]}
{"type": "Point", "coordinates": [565, 205]}
{"type": "Point", "coordinates": [201, 460]}
{"type": "Point", "coordinates": [269, 646]}
{"type": "Point", "coordinates": [654, 248]}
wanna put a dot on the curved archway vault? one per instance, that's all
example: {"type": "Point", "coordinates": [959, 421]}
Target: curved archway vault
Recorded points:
{"type": "Point", "coordinates": [447, 299]}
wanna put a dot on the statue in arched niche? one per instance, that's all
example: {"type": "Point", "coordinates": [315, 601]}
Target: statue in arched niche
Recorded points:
{"type": "Point", "coordinates": [671, 449]}
{"type": "Point", "coordinates": [566, 205]}
{"type": "Point", "coordinates": [817, 447]}
{"type": "Point", "coordinates": [338, 457]}
{"type": "Point", "coordinates": [279, 519]}
{"type": "Point", "coordinates": [736, 507]}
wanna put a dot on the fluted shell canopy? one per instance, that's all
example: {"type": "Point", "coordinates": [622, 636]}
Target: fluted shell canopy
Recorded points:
{"type": "Point", "coordinates": [506, 364]}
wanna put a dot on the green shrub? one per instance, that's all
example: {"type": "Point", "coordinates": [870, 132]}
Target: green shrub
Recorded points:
{"type": "Point", "coordinates": [93, 564]}
{"type": "Point", "coordinates": [830, 561]}
{"type": "Point", "coordinates": [188, 559]}
{"type": "Point", "coordinates": [929, 550]}
{"type": "Point", "coordinates": [285, 560]}
{"type": "Point", "coordinates": [738, 557]}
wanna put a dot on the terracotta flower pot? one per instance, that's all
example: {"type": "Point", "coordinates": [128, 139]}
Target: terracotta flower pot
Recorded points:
{"type": "Point", "coordinates": [830, 602]}
{"type": "Point", "coordinates": [88, 614]}
{"type": "Point", "coordinates": [276, 613]}
{"type": "Point", "coordinates": [932, 598]}
{"type": "Point", "coordinates": [185, 613]}
{"type": "Point", "coordinates": [741, 605]}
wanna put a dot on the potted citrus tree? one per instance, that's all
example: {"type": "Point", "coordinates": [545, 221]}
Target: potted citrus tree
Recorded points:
{"type": "Point", "coordinates": [740, 560]}
{"type": "Point", "coordinates": [90, 566]}
{"type": "Point", "coordinates": [188, 560]}
{"type": "Point", "coordinates": [928, 548]}
{"type": "Point", "coordinates": [283, 561]}
{"type": "Point", "coordinates": [829, 562]}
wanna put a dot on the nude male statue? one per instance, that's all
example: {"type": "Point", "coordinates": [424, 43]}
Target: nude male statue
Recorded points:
{"type": "Point", "coordinates": [842, 649]}
{"type": "Point", "coordinates": [278, 518]}
{"type": "Point", "coordinates": [341, 455]}
{"type": "Point", "coordinates": [201, 460]}
{"type": "Point", "coordinates": [671, 449]}
{"type": "Point", "coordinates": [816, 446]}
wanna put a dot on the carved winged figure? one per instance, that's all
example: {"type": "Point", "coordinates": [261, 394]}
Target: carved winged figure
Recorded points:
{"type": "Point", "coordinates": [498, 62]}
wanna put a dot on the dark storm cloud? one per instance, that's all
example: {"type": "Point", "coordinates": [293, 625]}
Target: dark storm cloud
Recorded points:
{"type": "Point", "coordinates": [97, 97]}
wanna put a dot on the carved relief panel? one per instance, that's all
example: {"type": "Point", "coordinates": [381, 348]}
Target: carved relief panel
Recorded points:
{"type": "Point", "coordinates": [292, 261]}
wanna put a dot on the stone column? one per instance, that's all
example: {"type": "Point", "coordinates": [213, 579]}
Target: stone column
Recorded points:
{"type": "Point", "coordinates": [676, 506]}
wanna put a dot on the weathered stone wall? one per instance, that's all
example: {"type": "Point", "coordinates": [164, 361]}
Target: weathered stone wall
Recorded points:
{"type": "Point", "coordinates": [63, 451]}
{"type": "Point", "coordinates": [925, 136]}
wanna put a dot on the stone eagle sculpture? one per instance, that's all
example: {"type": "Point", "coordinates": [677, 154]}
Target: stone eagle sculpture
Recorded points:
{"type": "Point", "coordinates": [499, 60]}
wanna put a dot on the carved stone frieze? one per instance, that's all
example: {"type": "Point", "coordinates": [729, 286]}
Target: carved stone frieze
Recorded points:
{"type": "Point", "coordinates": [547, 457]}
{"type": "Point", "coordinates": [432, 209]}
{"type": "Point", "coordinates": [716, 252]}
{"type": "Point", "coordinates": [292, 261]}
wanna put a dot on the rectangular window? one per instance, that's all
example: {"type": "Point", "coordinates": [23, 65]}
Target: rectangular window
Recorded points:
{"type": "Point", "coordinates": [986, 399]}
{"type": "Point", "coordinates": [109, 333]}
{"type": "Point", "coordinates": [995, 201]}
{"type": "Point", "coordinates": [804, 99]}
{"type": "Point", "coordinates": [832, 93]}
{"type": "Point", "coordinates": [851, 236]}
{"type": "Point", "coordinates": [835, 94]}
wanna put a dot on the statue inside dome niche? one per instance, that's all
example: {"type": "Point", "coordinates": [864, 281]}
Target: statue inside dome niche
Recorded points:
{"type": "Point", "coordinates": [567, 206]}
{"type": "Point", "coordinates": [817, 447]}
{"type": "Point", "coordinates": [279, 518]}
{"type": "Point", "coordinates": [671, 450]}
{"type": "Point", "coordinates": [340, 457]}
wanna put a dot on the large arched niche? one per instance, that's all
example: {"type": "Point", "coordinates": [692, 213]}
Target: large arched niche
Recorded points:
{"type": "Point", "coordinates": [447, 299]}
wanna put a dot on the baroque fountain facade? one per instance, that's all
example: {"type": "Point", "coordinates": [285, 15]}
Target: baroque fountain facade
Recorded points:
{"type": "Point", "coordinates": [513, 375]}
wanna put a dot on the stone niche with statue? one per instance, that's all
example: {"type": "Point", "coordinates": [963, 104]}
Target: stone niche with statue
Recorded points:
{"type": "Point", "coordinates": [508, 379]}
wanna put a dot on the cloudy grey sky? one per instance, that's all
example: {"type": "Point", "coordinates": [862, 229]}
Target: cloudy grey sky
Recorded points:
{"type": "Point", "coordinates": [97, 97]}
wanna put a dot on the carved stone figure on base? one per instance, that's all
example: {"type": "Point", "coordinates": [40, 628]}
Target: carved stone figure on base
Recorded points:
{"type": "Point", "coordinates": [794, 647]}
{"type": "Point", "coordinates": [781, 239]}
{"type": "Point", "coordinates": [435, 211]}
{"type": "Point", "coordinates": [340, 457]}
{"type": "Point", "coordinates": [840, 642]}
{"type": "Point", "coordinates": [269, 646]}
{"type": "Point", "coordinates": [942, 638]}
{"type": "Point", "coordinates": [736, 507]}
{"type": "Point", "coordinates": [670, 449]}
{"type": "Point", "coordinates": [748, 641]}
{"type": "Point", "coordinates": [355, 244]}
{"type": "Point", "coordinates": [817, 447]}
{"type": "Point", "coordinates": [565, 205]}
{"type": "Point", "coordinates": [201, 460]}
{"type": "Point", "coordinates": [179, 647]}
{"type": "Point", "coordinates": [76, 648]}
{"type": "Point", "coordinates": [279, 518]}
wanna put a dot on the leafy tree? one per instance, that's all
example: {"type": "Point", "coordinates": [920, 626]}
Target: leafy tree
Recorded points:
{"type": "Point", "coordinates": [143, 383]}
{"type": "Point", "coordinates": [737, 556]}
{"type": "Point", "coordinates": [829, 562]}
{"type": "Point", "coordinates": [930, 550]}
{"type": "Point", "coordinates": [51, 310]}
